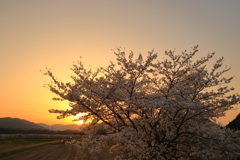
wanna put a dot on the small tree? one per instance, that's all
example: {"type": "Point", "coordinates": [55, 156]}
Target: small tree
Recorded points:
{"type": "Point", "coordinates": [153, 110]}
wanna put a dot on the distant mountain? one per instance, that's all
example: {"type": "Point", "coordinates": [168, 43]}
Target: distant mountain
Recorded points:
{"type": "Point", "coordinates": [234, 124]}
{"type": "Point", "coordinates": [17, 123]}
{"type": "Point", "coordinates": [8, 122]}
{"type": "Point", "coordinates": [20, 126]}
{"type": "Point", "coordinates": [60, 127]}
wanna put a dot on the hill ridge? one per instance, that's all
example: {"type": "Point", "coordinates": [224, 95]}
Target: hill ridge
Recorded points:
{"type": "Point", "coordinates": [17, 123]}
{"type": "Point", "coordinates": [9, 122]}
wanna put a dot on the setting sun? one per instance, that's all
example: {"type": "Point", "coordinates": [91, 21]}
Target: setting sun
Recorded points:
{"type": "Point", "coordinates": [81, 122]}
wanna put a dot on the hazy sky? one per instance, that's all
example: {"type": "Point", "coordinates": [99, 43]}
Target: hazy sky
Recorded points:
{"type": "Point", "coordinates": [54, 34]}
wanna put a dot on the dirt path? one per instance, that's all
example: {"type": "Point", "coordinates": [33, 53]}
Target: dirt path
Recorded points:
{"type": "Point", "coordinates": [57, 152]}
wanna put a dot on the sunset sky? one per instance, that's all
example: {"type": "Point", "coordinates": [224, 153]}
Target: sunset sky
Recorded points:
{"type": "Point", "coordinates": [35, 34]}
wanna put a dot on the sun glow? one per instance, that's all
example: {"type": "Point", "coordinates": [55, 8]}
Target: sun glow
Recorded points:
{"type": "Point", "coordinates": [81, 122]}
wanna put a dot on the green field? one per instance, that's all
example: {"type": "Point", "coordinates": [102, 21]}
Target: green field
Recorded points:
{"type": "Point", "coordinates": [16, 146]}
{"type": "Point", "coordinates": [11, 146]}
{"type": "Point", "coordinates": [25, 141]}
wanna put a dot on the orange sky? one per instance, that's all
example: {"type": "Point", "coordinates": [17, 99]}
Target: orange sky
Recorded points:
{"type": "Point", "coordinates": [53, 34]}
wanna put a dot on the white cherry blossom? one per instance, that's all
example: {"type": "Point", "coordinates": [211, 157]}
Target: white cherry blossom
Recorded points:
{"type": "Point", "coordinates": [153, 109]}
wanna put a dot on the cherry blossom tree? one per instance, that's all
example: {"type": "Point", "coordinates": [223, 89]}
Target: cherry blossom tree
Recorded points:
{"type": "Point", "coordinates": [153, 109]}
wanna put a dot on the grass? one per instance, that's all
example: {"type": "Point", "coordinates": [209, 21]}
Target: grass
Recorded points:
{"type": "Point", "coordinates": [19, 145]}
{"type": "Point", "coordinates": [15, 151]}
{"type": "Point", "coordinates": [22, 145]}
{"type": "Point", "coordinates": [25, 141]}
